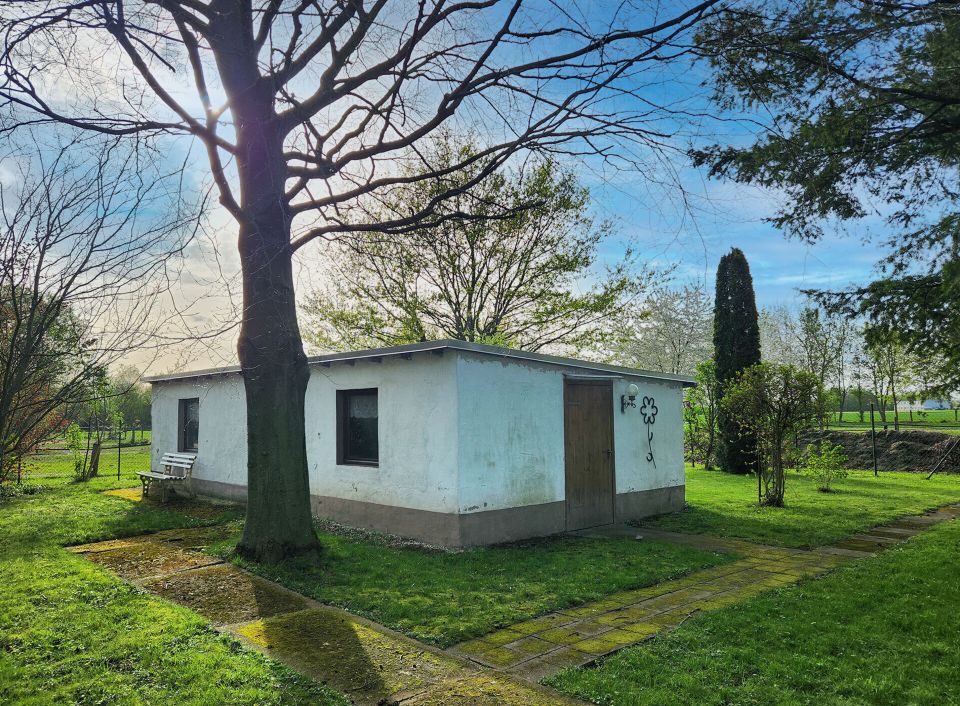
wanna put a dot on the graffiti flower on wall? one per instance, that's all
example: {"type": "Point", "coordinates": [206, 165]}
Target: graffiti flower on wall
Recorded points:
{"type": "Point", "coordinates": [648, 411]}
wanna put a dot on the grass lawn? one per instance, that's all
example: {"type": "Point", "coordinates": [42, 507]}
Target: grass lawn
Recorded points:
{"type": "Point", "coordinates": [447, 597]}
{"type": "Point", "coordinates": [880, 631]}
{"type": "Point", "coordinates": [71, 633]}
{"type": "Point", "coordinates": [725, 505]}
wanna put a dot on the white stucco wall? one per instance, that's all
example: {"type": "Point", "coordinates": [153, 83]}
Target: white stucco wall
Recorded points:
{"type": "Point", "coordinates": [417, 426]}
{"type": "Point", "coordinates": [461, 432]}
{"type": "Point", "coordinates": [511, 433]}
{"type": "Point", "coordinates": [633, 471]}
{"type": "Point", "coordinates": [511, 448]}
{"type": "Point", "coordinates": [222, 441]}
{"type": "Point", "coordinates": [417, 431]}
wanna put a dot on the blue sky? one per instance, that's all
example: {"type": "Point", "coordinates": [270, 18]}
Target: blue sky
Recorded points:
{"type": "Point", "coordinates": [732, 215]}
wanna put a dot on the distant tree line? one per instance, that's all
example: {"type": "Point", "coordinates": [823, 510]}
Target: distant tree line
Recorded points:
{"type": "Point", "coordinates": [796, 367]}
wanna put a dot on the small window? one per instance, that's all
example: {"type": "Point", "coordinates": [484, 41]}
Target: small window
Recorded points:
{"type": "Point", "coordinates": [189, 425]}
{"type": "Point", "coordinates": [358, 440]}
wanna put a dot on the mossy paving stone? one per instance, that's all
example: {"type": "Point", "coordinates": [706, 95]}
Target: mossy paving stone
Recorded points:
{"type": "Point", "coordinates": [104, 546]}
{"type": "Point", "coordinates": [858, 546]}
{"type": "Point", "coordinates": [225, 594]}
{"type": "Point", "coordinates": [549, 664]}
{"type": "Point", "coordinates": [625, 616]}
{"type": "Point", "coordinates": [607, 642]}
{"type": "Point", "coordinates": [486, 689]}
{"type": "Point", "coordinates": [330, 647]}
{"type": "Point", "coordinates": [551, 620]}
{"type": "Point", "coordinates": [573, 633]}
{"type": "Point", "coordinates": [143, 559]}
{"type": "Point", "coordinates": [894, 532]}
{"type": "Point", "coordinates": [194, 537]}
{"type": "Point", "coordinates": [500, 657]}
{"type": "Point", "coordinates": [532, 646]}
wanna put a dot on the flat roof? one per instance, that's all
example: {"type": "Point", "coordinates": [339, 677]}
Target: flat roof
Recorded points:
{"type": "Point", "coordinates": [438, 347]}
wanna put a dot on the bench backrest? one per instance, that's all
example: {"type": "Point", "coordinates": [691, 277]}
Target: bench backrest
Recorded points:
{"type": "Point", "coordinates": [178, 464]}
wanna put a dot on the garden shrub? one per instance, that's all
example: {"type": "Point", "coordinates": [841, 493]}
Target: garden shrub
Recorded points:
{"type": "Point", "coordinates": [825, 464]}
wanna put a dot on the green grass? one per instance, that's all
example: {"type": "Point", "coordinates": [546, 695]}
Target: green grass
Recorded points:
{"type": "Point", "coordinates": [725, 505]}
{"type": "Point", "coordinates": [447, 597]}
{"type": "Point", "coordinates": [882, 631]}
{"type": "Point", "coordinates": [71, 633]}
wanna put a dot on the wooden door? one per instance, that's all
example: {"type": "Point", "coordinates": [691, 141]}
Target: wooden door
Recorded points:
{"type": "Point", "coordinates": [588, 446]}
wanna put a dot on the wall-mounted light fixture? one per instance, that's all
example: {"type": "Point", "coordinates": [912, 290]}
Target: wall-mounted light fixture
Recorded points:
{"type": "Point", "coordinates": [629, 399]}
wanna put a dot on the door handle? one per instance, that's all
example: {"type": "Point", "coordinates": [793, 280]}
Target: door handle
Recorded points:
{"type": "Point", "coordinates": [608, 452]}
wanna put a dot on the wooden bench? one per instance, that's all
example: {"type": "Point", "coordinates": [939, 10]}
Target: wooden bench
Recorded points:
{"type": "Point", "coordinates": [177, 468]}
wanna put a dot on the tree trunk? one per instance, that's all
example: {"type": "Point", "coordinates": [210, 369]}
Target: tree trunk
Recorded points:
{"type": "Point", "coordinates": [896, 411]}
{"type": "Point", "coordinates": [274, 366]}
{"type": "Point", "coordinates": [275, 375]}
{"type": "Point", "coordinates": [94, 467]}
{"type": "Point", "coordinates": [708, 456]}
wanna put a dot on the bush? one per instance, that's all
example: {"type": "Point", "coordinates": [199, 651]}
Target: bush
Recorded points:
{"type": "Point", "coordinates": [15, 490]}
{"type": "Point", "coordinates": [825, 465]}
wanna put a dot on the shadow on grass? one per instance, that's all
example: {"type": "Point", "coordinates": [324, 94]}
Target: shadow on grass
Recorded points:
{"type": "Point", "coordinates": [324, 646]}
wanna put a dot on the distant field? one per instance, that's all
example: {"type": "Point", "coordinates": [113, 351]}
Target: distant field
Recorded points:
{"type": "Point", "coordinates": [942, 420]}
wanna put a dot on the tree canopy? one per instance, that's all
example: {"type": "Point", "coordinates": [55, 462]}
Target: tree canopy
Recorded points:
{"type": "Point", "coordinates": [85, 238]}
{"type": "Point", "coordinates": [674, 332]}
{"type": "Point", "coordinates": [862, 105]}
{"type": "Point", "coordinates": [511, 261]}
{"type": "Point", "coordinates": [736, 343]}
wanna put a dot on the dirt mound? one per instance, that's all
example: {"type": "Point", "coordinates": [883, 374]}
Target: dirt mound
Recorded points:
{"type": "Point", "coordinates": [917, 451]}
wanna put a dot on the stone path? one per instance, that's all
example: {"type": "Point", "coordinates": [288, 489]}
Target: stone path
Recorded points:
{"type": "Point", "coordinates": [535, 649]}
{"type": "Point", "coordinates": [375, 665]}
{"type": "Point", "coordinates": [539, 648]}
{"type": "Point", "coordinates": [370, 663]}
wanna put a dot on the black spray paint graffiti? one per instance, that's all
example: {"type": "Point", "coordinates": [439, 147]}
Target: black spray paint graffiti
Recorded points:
{"type": "Point", "coordinates": [648, 410]}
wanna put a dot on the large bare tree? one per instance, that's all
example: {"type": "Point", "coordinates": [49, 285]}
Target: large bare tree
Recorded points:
{"type": "Point", "coordinates": [306, 106]}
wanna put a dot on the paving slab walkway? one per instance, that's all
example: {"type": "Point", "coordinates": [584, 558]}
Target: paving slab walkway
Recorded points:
{"type": "Point", "coordinates": [375, 665]}
{"type": "Point", "coordinates": [535, 649]}
{"type": "Point", "coordinates": [370, 663]}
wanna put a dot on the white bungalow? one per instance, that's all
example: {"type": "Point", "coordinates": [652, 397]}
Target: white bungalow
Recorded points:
{"type": "Point", "coordinates": [452, 443]}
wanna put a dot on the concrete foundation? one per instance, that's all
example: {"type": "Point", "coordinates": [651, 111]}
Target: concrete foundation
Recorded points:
{"type": "Point", "coordinates": [466, 529]}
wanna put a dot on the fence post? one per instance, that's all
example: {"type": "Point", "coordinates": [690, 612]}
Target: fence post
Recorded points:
{"type": "Point", "coordinates": [119, 433]}
{"type": "Point", "coordinates": [873, 439]}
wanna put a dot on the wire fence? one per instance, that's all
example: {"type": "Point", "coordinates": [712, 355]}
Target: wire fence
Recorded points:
{"type": "Point", "coordinates": [94, 452]}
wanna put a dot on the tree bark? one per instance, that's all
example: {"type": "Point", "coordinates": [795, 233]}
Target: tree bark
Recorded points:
{"type": "Point", "coordinates": [94, 467]}
{"type": "Point", "coordinates": [274, 366]}
{"type": "Point", "coordinates": [275, 374]}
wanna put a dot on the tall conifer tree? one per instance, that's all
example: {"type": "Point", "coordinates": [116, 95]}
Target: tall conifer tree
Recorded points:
{"type": "Point", "coordinates": [736, 341]}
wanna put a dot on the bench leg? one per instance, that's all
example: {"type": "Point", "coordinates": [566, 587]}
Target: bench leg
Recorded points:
{"type": "Point", "coordinates": [146, 486]}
